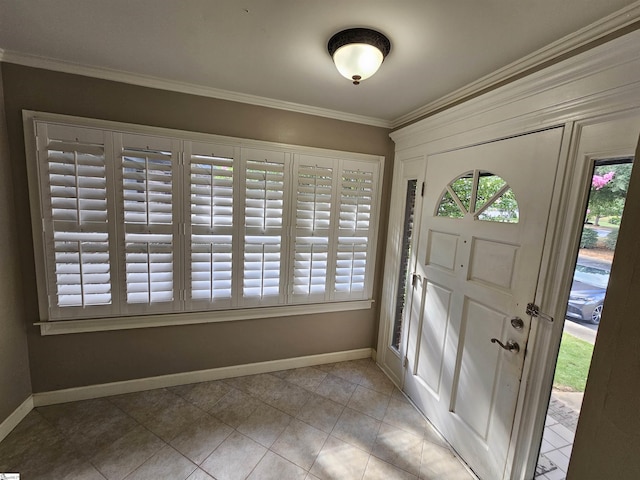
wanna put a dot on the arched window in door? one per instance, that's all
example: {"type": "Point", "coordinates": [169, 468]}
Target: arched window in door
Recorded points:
{"type": "Point", "coordinates": [479, 195]}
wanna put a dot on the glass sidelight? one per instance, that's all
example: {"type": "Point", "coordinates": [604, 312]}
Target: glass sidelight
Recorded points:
{"type": "Point", "coordinates": [403, 278]}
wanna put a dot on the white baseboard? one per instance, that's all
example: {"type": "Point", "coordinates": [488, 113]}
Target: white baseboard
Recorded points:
{"type": "Point", "coordinates": [16, 417]}
{"type": "Point", "coordinates": [138, 385]}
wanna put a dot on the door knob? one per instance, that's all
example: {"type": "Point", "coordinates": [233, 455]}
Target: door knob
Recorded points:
{"type": "Point", "coordinates": [511, 345]}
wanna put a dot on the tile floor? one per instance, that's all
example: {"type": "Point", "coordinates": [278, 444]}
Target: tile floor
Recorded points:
{"type": "Point", "coordinates": [338, 421]}
{"type": "Point", "coordinates": [555, 451]}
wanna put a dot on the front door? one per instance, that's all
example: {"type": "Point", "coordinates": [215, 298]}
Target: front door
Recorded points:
{"type": "Point", "coordinates": [484, 220]}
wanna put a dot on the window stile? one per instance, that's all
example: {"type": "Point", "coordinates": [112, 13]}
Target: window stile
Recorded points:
{"type": "Point", "coordinates": [238, 230]}
{"type": "Point", "coordinates": [287, 226]}
{"type": "Point", "coordinates": [333, 232]}
{"type": "Point", "coordinates": [114, 227]}
{"type": "Point", "coordinates": [180, 259]}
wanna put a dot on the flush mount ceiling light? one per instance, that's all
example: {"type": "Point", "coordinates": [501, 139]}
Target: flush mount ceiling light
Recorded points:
{"type": "Point", "coordinates": [358, 52]}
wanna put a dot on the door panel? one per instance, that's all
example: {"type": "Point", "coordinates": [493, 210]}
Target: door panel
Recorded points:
{"type": "Point", "coordinates": [433, 334]}
{"type": "Point", "coordinates": [478, 368]}
{"type": "Point", "coordinates": [479, 262]}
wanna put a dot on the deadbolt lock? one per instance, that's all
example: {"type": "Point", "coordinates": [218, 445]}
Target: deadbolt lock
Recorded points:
{"type": "Point", "coordinates": [517, 323]}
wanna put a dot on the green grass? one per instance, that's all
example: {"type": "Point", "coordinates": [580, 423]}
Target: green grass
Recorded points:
{"type": "Point", "coordinates": [572, 368]}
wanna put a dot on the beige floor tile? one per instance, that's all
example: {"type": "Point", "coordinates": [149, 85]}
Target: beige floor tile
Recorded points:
{"type": "Point", "coordinates": [433, 436]}
{"type": "Point", "coordinates": [339, 460]}
{"type": "Point", "coordinates": [311, 476]}
{"type": "Point", "coordinates": [399, 447]}
{"type": "Point", "coordinates": [89, 425]}
{"type": "Point", "coordinates": [265, 425]}
{"type": "Point", "coordinates": [357, 429]}
{"type": "Point", "coordinates": [234, 459]}
{"type": "Point", "coordinates": [321, 412]}
{"type": "Point", "coordinates": [438, 463]}
{"type": "Point", "coordinates": [402, 414]}
{"type": "Point", "coordinates": [379, 470]}
{"type": "Point", "coordinates": [145, 405]}
{"type": "Point", "coordinates": [199, 439]}
{"type": "Point", "coordinates": [235, 407]}
{"type": "Point", "coordinates": [325, 367]}
{"type": "Point", "coordinates": [351, 370]}
{"type": "Point", "coordinates": [274, 467]}
{"type": "Point", "coordinates": [127, 453]}
{"type": "Point", "coordinates": [290, 399]}
{"type": "Point", "coordinates": [72, 417]}
{"type": "Point", "coordinates": [203, 395]}
{"type": "Point", "coordinates": [337, 389]}
{"type": "Point", "coordinates": [307, 377]}
{"type": "Point", "coordinates": [369, 402]}
{"type": "Point", "coordinates": [26, 440]}
{"type": "Point", "coordinates": [57, 461]}
{"type": "Point", "coordinates": [375, 379]}
{"type": "Point", "coordinates": [264, 386]}
{"type": "Point", "coordinates": [170, 421]}
{"type": "Point", "coordinates": [300, 443]}
{"type": "Point", "coordinates": [200, 474]}
{"type": "Point", "coordinates": [166, 463]}
{"type": "Point", "coordinates": [398, 395]}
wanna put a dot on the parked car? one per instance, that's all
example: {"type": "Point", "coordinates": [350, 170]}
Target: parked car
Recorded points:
{"type": "Point", "coordinates": [587, 292]}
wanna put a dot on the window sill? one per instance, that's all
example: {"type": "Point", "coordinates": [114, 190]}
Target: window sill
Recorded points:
{"type": "Point", "coordinates": [62, 327]}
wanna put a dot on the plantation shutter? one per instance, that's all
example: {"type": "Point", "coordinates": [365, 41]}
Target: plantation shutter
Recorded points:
{"type": "Point", "coordinates": [150, 219]}
{"type": "Point", "coordinates": [265, 191]}
{"type": "Point", "coordinates": [316, 180]}
{"type": "Point", "coordinates": [210, 189]}
{"type": "Point", "coordinates": [77, 232]}
{"type": "Point", "coordinates": [356, 232]}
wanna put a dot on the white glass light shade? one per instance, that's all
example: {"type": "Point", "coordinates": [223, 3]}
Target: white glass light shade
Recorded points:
{"type": "Point", "coordinates": [357, 61]}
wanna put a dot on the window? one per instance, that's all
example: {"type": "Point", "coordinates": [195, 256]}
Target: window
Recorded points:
{"type": "Point", "coordinates": [405, 258]}
{"type": "Point", "coordinates": [137, 223]}
{"type": "Point", "coordinates": [480, 195]}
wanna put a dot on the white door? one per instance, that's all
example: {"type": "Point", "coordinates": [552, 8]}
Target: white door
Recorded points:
{"type": "Point", "coordinates": [482, 231]}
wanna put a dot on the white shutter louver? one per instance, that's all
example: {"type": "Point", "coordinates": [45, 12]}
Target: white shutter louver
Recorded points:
{"type": "Point", "coordinates": [211, 190]}
{"type": "Point", "coordinates": [76, 219]}
{"type": "Point", "coordinates": [264, 203]}
{"type": "Point", "coordinates": [148, 171]}
{"type": "Point", "coordinates": [357, 199]}
{"type": "Point", "coordinates": [314, 194]}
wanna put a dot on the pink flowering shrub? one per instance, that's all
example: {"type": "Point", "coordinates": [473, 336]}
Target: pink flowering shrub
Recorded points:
{"type": "Point", "coordinates": [600, 181]}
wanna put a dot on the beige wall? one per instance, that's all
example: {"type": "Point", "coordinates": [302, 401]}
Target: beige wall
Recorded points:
{"type": "Point", "coordinates": [82, 359]}
{"type": "Point", "coordinates": [607, 443]}
{"type": "Point", "coordinates": [15, 383]}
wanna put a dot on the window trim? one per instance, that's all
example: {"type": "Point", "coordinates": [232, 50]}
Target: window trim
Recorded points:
{"type": "Point", "coordinates": [100, 323]}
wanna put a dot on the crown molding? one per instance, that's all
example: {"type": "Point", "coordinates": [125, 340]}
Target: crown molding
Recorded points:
{"type": "Point", "coordinates": [561, 90]}
{"type": "Point", "coordinates": [183, 87]}
{"type": "Point", "coordinates": [603, 27]}
{"type": "Point", "coordinates": [597, 30]}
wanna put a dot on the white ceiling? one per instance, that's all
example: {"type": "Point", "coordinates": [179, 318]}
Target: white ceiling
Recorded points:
{"type": "Point", "coordinates": [276, 49]}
